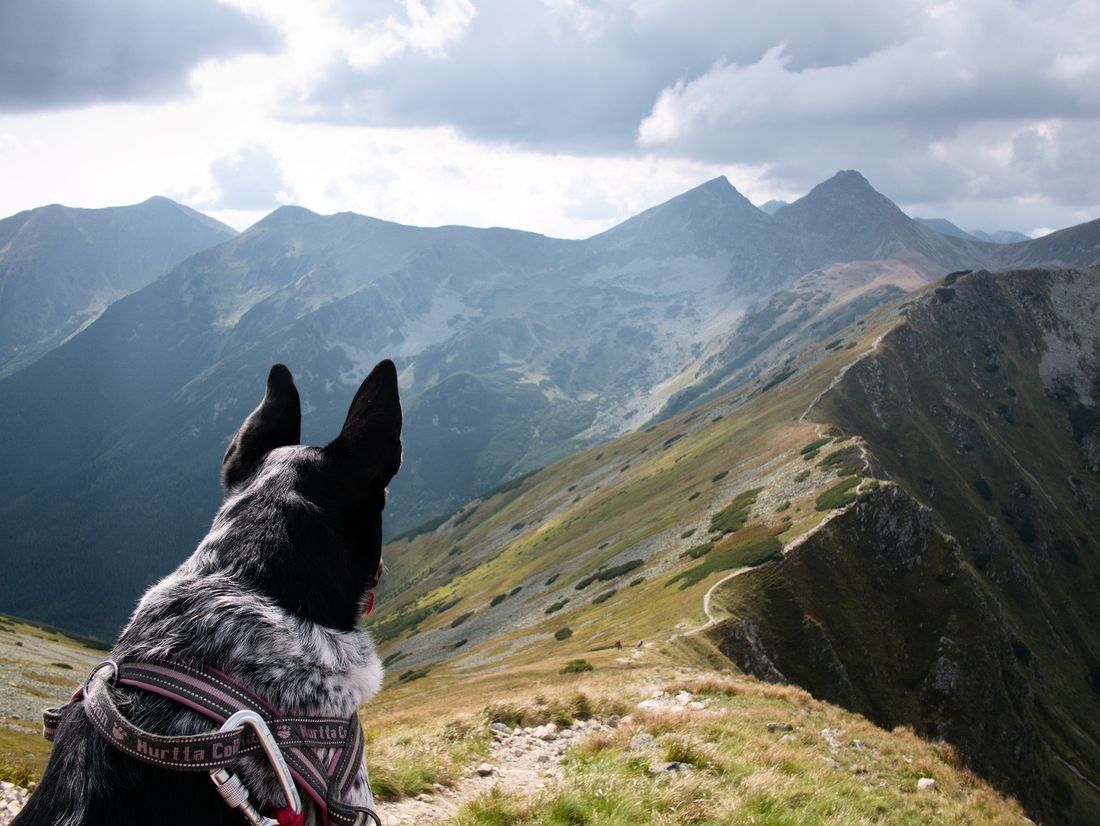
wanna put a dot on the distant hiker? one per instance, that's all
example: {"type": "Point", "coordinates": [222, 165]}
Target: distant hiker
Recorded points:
{"type": "Point", "coordinates": [640, 643]}
{"type": "Point", "coordinates": [619, 644]}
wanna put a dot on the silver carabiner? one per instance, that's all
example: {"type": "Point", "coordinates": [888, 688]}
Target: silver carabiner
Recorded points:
{"type": "Point", "coordinates": [233, 791]}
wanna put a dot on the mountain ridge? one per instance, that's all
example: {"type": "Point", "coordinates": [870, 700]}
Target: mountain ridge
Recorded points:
{"type": "Point", "coordinates": [514, 350]}
{"type": "Point", "coordinates": [61, 266]}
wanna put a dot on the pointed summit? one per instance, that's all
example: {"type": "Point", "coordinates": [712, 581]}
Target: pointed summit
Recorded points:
{"type": "Point", "coordinates": [846, 219]}
{"type": "Point", "coordinates": [851, 180]}
{"type": "Point", "coordinates": [701, 221]}
{"type": "Point", "coordinates": [847, 189]}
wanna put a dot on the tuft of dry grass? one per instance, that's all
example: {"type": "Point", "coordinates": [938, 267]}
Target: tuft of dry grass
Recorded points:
{"type": "Point", "coordinates": [823, 765]}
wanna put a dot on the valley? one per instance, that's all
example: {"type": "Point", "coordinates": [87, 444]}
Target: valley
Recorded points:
{"type": "Point", "coordinates": [697, 448]}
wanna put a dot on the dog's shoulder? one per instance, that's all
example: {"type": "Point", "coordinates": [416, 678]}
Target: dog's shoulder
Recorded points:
{"type": "Point", "coordinates": [299, 666]}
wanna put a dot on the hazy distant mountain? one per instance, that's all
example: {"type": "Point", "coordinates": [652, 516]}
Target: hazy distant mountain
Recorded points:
{"type": "Point", "coordinates": [845, 219]}
{"type": "Point", "coordinates": [1001, 236]}
{"type": "Point", "coordinates": [514, 349]}
{"type": "Point", "coordinates": [701, 222]}
{"type": "Point", "coordinates": [945, 227]}
{"type": "Point", "coordinates": [61, 267]}
{"type": "Point", "coordinates": [772, 207]}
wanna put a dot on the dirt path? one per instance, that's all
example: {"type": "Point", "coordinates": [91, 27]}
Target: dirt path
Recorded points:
{"type": "Point", "coordinates": [712, 619]}
{"type": "Point", "coordinates": [522, 761]}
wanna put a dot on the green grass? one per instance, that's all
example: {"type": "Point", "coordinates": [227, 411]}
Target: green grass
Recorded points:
{"type": "Point", "coordinates": [744, 774]}
{"type": "Point", "coordinates": [815, 445]}
{"type": "Point", "coordinates": [844, 461]}
{"type": "Point", "coordinates": [838, 495]}
{"type": "Point", "coordinates": [753, 552]}
{"type": "Point", "coordinates": [698, 551]}
{"type": "Point", "coordinates": [415, 764]}
{"type": "Point", "coordinates": [733, 517]}
{"type": "Point", "coordinates": [17, 774]}
{"type": "Point", "coordinates": [576, 667]}
{"type": "Point", "coordinates": [606, 574]}
{"type": "Point", "coordinates": [778, 378]}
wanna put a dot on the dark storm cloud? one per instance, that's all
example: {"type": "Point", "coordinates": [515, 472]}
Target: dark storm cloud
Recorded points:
{"type": "Point", "coordinates": [932, 99]}
{"type": "Point", "coordinates": [931, 114]}
{"type": "Point", "coordinates": [580, 76]}
{"type": "Point", "coordinates": [65, 53]}
{"type": "Point", "coordinates": [250, 179]}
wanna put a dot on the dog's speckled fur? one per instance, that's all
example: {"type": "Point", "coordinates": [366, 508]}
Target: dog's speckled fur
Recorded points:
{"type": "Point", "coordinates": [271, 597]}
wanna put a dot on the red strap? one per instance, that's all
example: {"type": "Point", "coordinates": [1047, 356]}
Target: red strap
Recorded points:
{"type": "Point", "coordinates": [287, 817]}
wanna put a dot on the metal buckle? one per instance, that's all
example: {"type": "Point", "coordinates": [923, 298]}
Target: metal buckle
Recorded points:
{"type": "Point", "coordinates": [105, 664]}
{"type": "Point", "coordinates": [231, 788]}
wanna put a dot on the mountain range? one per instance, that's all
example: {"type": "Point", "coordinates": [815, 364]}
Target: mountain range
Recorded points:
{"type": "Point", "coordinates": [945, 227]}
{"type": "Point", "coordinates": [871, 463]}
{"type": "Point", "coordinates": [515, 349]}
{"type": "Point", "coordinates": [61, 267]}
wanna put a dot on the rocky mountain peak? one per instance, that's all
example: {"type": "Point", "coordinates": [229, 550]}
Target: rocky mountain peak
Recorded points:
{"type": "Point", "coordinates": [703, 220]}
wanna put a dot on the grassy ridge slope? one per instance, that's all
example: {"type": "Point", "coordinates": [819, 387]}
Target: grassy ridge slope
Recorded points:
{"type": "Point", "coordinates": [962, 601]}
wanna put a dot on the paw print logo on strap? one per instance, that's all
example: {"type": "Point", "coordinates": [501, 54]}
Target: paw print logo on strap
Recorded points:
{"type": "Point", "coordinates": [118, 732]}
{"type": "Point", "coordinates": [283, 732]}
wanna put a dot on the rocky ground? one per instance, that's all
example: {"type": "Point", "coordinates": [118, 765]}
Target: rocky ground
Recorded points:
{"type": "Point", "coordinates": [37, 669]}
{"type": "Point", "coordinates": [529, 760]}
{"type": "Point", "coordinates": [12, 799]}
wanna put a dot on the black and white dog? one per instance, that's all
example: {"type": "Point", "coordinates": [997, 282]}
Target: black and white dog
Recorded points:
{"type": "Point", "coordinates": [272, 597]}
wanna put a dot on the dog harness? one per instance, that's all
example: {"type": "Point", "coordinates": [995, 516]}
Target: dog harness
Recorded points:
{"type": "Point", "coordinates": [249, 726]}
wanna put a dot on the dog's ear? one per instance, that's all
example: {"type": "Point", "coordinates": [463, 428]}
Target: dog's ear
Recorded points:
{"type": "Point", "coordinates": [277, 422]}
{"type": "Point", "coordinates": [371, 436]}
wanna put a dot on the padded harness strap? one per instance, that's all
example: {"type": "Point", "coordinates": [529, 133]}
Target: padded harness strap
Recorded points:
{"type": "Point", "coordinates": [217, 696]}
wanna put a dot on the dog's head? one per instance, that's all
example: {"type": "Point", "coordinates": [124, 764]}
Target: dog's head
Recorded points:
{"type": "Point", "coordinates": [303, 525]}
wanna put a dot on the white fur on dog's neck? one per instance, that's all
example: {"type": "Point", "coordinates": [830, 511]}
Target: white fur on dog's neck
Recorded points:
{"type": "Point", "coordinates": [210, 618]}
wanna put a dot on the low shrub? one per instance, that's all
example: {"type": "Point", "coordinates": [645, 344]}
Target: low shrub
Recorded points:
{"type": "Point", "coordinates": [698, 551]}
{"type": "Point", "coordinates": [754, 552]}
{"type": "Point", "coordinates": [983, 489]}
{"type": "Point", "coordinates": [838, 495]}
{"type": "Point", "coordinates": [815, 445]}
{"type": "Point", "coordinates": [733, 517]}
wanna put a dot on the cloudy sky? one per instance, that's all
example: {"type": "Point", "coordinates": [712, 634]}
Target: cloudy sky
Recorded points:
{"type": "Point", "coordinates": [558, 116]}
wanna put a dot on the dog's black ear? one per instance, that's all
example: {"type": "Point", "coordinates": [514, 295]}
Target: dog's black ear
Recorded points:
{"type": "Point", "coordinates": [277, 422]}
{"type": "Point", "coordinates": [371, 436]}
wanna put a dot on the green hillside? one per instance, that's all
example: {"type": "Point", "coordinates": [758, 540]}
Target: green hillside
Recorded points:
{"type": "Point", "coordinates": [832, 503]}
